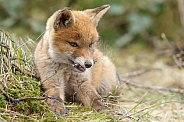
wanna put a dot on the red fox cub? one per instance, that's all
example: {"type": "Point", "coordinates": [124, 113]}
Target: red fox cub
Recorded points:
{"type": "Point", "coordinates": [69, 63]}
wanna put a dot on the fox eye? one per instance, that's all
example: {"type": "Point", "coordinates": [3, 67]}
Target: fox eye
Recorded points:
{"type": "Point", "coordinates": [90, 45]}
{"type": "Point", "coordinates": [73, 44]}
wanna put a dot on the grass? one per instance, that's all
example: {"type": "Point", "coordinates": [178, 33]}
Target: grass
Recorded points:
{"type": "Point", "coordinates": [17, 76]}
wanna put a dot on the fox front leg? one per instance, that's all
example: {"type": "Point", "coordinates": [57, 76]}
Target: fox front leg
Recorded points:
{"type": "Point", "coordinates": [88, 95]}
{"type": "Point", "coordinates": [57, 106]}
{"type": "Point", "coordinates": [55, 98]}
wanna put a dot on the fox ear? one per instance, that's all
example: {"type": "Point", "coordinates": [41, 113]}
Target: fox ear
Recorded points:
{"type": "Point", "coordinates": [96, 13]}
{"type": "Point", "coordinates": [64, 18]}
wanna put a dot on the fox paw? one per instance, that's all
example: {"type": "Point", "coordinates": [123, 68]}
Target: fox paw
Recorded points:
{"type": "Point", "coordinates": [99, 105]}
{"type": "Point", "coordinates": [57, 106]}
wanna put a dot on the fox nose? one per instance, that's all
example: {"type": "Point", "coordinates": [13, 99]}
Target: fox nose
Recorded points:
{"type": "Point", "coordinates": [88, 64]}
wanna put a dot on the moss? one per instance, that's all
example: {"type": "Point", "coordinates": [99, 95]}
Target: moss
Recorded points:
{"type": "Point", "coordinates": [31, 107]}
{"type": "Point", "coordinates": [23, 107]}
{"type": "Point", "coordinates": [2, 101]}
{"type": "Point", "coordinates": [39, 107]}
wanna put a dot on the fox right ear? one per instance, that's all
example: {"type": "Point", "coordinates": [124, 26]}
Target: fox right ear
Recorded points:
{"type": "Point", "coordinates": [64, 18]}
{"type": "Point", "coordinates": [96, 13]}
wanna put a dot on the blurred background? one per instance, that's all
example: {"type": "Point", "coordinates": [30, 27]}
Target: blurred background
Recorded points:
{"type": "Point", "coordinates": [133, 29]}
{"type": "Point", "coordinates": [127, 21]}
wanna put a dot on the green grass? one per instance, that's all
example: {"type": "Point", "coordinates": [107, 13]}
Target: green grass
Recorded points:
{"type": "Point", "coordinates": [17, 73]}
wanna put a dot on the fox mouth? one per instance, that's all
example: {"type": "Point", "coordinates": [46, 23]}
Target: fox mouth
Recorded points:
{"type": "Point", "coordinates": [79, 67]}
{"type": "Point", "coordinates": [79, 64]}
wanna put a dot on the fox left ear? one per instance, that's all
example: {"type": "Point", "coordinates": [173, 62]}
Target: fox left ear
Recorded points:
{"type": "Point", "coordinates": [64, 18]}
{"type": "Point", "coordinates": [96, 13]}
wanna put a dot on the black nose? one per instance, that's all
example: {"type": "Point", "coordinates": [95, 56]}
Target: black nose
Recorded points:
{"type": "Point", "coordinates": [88, 64]}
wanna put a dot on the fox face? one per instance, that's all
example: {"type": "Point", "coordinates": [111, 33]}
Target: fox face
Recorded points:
{"type": "Point", "coordinates": [73, 36]}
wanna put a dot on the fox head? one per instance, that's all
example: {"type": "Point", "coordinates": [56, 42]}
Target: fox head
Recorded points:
{"type": "Point", "coordinates": [73, 37]}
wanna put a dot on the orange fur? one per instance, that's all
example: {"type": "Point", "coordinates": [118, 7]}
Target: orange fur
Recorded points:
{"type": "Point", "coordinates": [69, 62]}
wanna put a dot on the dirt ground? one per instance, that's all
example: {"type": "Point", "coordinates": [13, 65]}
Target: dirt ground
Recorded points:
{"type": "Point", "coordinates": [146, 71]}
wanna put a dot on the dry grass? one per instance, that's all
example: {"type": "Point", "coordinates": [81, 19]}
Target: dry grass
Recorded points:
{"type": "Point", "coordinates": [147, 104]}
{"type": "Point", "coordinates": [135, 104]}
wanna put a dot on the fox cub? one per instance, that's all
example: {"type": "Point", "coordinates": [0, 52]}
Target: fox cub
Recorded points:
{"type": "Point", "coordinates": [69, 63]}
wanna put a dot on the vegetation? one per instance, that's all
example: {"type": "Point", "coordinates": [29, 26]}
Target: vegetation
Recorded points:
{"type": "Point", "coordinates": [146, 43]}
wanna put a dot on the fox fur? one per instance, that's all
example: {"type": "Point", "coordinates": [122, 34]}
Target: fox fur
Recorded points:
{"type": "Point", "coordinates": [69, 63]}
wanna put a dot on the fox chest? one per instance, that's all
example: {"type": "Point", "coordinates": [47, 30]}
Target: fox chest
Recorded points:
{"type": "Point", "coordinates": [74, 79]}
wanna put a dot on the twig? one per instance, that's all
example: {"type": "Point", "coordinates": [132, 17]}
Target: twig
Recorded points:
{"type": "Point", "coordinates": [181, 91]}
{"type": "Point", "coordinates": [22, 72]}
{"type": "Point", "coordinates": [20, 99]}
{"type": "Point", "coordinates": [4, 46]}
{"type": "Point", "coordinates": [26, 98]}
{"type": "Point", "coordinates": [131, 117]}
{"type": "Point", "coordinates": [174, 53]}
{"type": "Point", "coordinates": [136, 73]}
{"type": "Point", "coordinates": [178, 62]}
